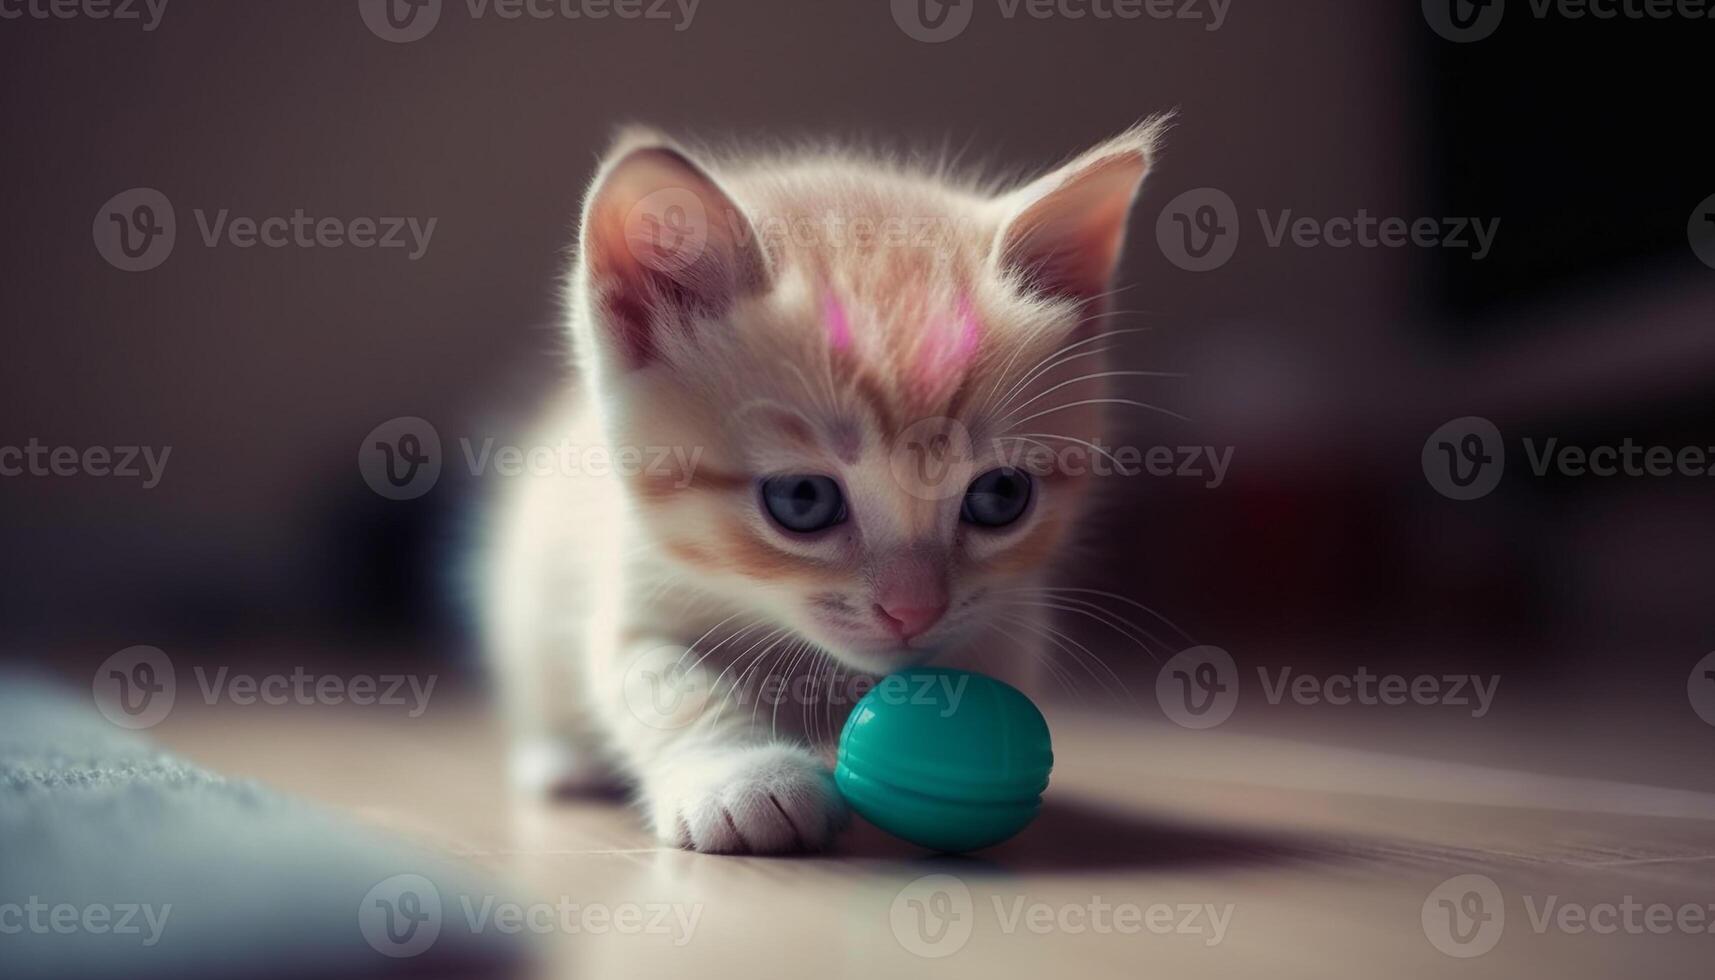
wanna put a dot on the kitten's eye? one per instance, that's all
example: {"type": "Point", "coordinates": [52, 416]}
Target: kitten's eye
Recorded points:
{"type": "Point", "coordinates": [804, 503]}
{"type": "Point", "coordinates": [997, 498]}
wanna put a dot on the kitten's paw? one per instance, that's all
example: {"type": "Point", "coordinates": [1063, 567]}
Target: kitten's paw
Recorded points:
{"type": "Point", "coordinates": [770, 799]}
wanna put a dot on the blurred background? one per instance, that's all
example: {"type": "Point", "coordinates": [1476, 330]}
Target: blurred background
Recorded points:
{"type": "Point", "coordinates": [1590, 318]}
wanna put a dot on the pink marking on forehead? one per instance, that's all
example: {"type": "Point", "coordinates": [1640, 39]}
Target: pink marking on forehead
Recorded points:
{"type": "Point", "coordinates": [838, 325]}
{"type": "Point", "coordinates": [950, 346]}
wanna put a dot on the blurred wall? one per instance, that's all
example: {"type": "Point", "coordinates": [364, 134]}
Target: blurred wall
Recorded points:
{"type": "Point", "coordinates": [1324, 370]}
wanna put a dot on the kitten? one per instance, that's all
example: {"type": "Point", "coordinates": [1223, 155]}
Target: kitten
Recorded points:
{"type": "Point", "coordinates": [838, 394]}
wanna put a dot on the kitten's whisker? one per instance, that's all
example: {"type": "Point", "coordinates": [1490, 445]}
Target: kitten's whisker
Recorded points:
{"type": "Point", "coordinates": [736, 661]}
{"type": "Point", "coordinates": [773, 665]}
{"type": "Point", "coordinates": [1042, 366]}
{"type": "Point", "coordinates": [695, 643]}
{"type": "Point", "coordinates": [1037, 368]}
{"type": "Point", "coordinates": [827, 670]}
{"type": "Point", "coordinates": [1055, 670]}
{"type": "Point", "coordinates": [753, 624]}
{"type": "Point", "coordinates": [1059, 604]}
{"type": "Point", "coordinates": [804, 710]}
{"type": "Point", "coordinates": [1120, 598]}
{"type": "Point", "coordinates": [1105, 314]}
{"type": "Point", "coordinates": [836, 675]}
{"type": "Point", "coordinates": [1056, 637]}
{"type": "Point", "coordinates": [1090, 377]}
{"type": "Point", "coordinates": [737, 686]}
{"type": "Point", "coordinates": [1088, 445]}
{"type": "Point", "coordinates": [1023, 383]}
{"type": "Point", "coordinates": [1103, 401]}
{"type": "Point", "coordinates": [798, 651]}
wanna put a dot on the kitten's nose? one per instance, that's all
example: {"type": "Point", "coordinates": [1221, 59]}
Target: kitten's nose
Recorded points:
{"type": "Point", "coordinates": [907, 621]}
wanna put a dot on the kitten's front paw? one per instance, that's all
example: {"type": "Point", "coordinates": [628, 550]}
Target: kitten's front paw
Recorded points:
{"type": "Point", "coordinates": [770, 799]}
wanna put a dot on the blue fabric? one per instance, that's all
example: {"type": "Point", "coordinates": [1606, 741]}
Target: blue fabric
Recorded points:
{"type": "Point", "coordinates": [212, 877]}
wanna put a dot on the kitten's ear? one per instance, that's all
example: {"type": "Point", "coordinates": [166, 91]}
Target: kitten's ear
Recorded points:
{"type": "Point", "coordinates": [663, 244]}
{"type": "Point", "coordinates": [1064, 231]}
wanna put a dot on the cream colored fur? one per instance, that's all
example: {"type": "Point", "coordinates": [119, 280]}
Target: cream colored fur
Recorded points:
{"type": "Point", "coordinates": [601, 589]}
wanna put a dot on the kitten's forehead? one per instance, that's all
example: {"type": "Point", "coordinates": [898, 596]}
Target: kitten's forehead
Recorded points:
{"type": "Point", "coordinates": [886, 308]}
{"type": "Point", "coordinates": [854, 368]}
{"type": "Point", "coordinates": [915, 350]}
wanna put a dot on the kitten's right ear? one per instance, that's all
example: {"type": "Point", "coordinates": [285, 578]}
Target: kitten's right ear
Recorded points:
{"type": "Point", "coordinates": [1066, 229]}
{"type": "Point", "coordinates": [663, 245]}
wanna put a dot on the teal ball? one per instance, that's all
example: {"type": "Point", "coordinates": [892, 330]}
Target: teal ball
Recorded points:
{"type": "Point", "coordinates": [946, 759]}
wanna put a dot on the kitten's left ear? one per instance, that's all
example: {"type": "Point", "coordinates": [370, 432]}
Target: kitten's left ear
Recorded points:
{"type": "Point", "coordinates": [1064, 231]}
{"type": "Point", "coordinates": [663, 244]}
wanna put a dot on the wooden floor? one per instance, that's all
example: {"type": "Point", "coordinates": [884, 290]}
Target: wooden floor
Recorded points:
{"type": "Point", "coordinates": [1314, 852]}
